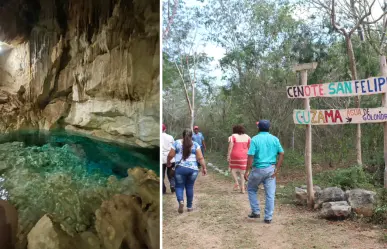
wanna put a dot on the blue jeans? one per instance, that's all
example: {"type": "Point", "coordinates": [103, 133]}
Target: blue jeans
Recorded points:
{"type": "Point", "coordinates": [258, 176]}
{"type": "Point", "coordinates": [185, 178]}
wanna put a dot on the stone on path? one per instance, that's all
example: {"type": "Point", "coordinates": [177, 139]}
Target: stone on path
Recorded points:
{"type": "Point", "coordinates": [302, 195]}
{"type": "Point", "coordinates": [337, 209]}
{"type": "Point", "coordinates": [361, 200]}
{"type": "Point", "coordinates": [330, 194]}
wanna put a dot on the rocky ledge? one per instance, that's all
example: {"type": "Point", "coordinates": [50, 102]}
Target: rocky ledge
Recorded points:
{"type": "Point", "coordinates": [127, 220]}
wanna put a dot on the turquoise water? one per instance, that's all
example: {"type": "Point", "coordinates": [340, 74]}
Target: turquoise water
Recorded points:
{"type": "Point", "coordinates": [100, 157]}
{"type": "Point", "coordinates": [65, 175]}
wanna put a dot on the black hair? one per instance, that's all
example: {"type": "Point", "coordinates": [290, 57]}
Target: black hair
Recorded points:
{"type": "Point", "coordinates": [264, 129]}
{"type": "Point", "coordinates": [187, 143]}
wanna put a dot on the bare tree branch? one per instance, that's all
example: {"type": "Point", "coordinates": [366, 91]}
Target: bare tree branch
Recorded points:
{"type": "Point", "coordinates": [333, 20]}
{"type": "Point", "coordinates": [170, 19]}
{"type": "Point", "coordinates": [185, 88]}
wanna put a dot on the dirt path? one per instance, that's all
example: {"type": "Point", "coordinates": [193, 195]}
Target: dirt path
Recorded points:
{"type": "Point", "coordinates": [220, 221]}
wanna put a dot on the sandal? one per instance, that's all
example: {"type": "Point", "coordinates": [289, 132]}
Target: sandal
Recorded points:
{"type": "Point", "coordinates": [236, 187]}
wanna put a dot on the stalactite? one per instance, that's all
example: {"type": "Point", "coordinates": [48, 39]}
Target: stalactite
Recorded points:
{"type": "Point", "coordinates": [91, 35]}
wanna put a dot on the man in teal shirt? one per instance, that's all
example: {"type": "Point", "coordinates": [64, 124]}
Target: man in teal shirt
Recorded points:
{"type": "Point", "coordinates": [263, 152]}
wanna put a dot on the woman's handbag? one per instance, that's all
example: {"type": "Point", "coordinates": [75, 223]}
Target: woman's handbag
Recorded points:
{"type": "Point", "coordinates": [171, 172]}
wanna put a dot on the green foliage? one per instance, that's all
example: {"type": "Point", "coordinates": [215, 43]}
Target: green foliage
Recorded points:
{"type": "Point", "coordinates": [347, 178]}
{"type": "Point", "coordinates": [294, 159]}
{"type": "Point", "coordinates": [380, 212]}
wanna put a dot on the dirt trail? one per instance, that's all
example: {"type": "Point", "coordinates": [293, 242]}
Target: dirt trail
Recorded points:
{"type": "Point", "coordinates": [219, 220]}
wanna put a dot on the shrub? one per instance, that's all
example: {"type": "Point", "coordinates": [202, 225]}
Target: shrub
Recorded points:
{"type": "Point", "coordinates": [293, 159]}
{"type": "Point", "coordinates": [380, 212]}
{"type": "Point", "coordinates": [349, 178]}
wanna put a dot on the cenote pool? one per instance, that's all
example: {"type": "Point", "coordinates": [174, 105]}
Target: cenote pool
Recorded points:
{"type": "Point", "coordinates": [65, 175]}
{"type": "Point", "coordinates": [95, 156]}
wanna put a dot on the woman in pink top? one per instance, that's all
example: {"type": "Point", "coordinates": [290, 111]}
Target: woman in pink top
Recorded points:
{"type": "Point", "coordinates": [239, 144]}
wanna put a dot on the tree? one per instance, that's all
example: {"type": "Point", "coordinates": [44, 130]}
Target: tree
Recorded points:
{"type": "Point", "coordinates": [358, 12]}
{"type": "Point", "coordinates": [181, 51]}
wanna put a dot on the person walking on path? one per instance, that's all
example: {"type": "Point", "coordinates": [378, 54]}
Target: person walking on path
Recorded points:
{"type": "Point", "coordinates": [166, 145]}
{"type": "Point", "coordinates": [187, 153]}
{"type": "Point", "coordinates": [239, 144]}
{"type": "Point", "coordinates": [199, 138]}
{"type": "Point", "coordinates": [262, 158]}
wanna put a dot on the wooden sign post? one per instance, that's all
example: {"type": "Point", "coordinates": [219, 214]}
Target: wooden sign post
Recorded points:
{"type": "Point", "coordinates": [383, 71]}
{"type": "Point", "coordinates": [308, 117]}
{"type": "Point", "coordinates": [303, 68]}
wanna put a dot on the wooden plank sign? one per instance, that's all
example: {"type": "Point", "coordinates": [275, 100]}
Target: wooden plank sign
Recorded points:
{"type": "Point", "coordinates": [305, 66]}
{"type": "Point", "coordinates": [374, 85]}
{"type": "Point", "coordinates": [344, 116]}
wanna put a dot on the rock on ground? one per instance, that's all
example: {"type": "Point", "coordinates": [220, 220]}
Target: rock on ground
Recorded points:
{"type": "Point", "coordinates": [88, 240]}
{"type": "Point", "coordinates": [330, 194]}
{"type": "Point", "coordinates": [132, 221]}
{"type": "Point", "coordinates": [362, 201]}
{"type": "Point", "coordinates": [129, 220]}
{"type": "Point", "coordinates": [47, 235]}
{"type": "Point", "coordinates": [123, 223]}
{"type": "Point", "coordinates": [338, 209]}
{"type": "Point", "coordinates": [302, 195]}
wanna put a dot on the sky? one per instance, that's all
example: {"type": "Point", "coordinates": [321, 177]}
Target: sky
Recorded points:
{"type": "Point", "coordinates": [211, 49]}
{"type": "Point", "coordinates": [217, 52]}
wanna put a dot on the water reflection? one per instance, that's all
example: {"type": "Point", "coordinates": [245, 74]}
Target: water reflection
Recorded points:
{"type": "Point", "coordinates": [65, 175]}
{"type": "Point", "coordinates": [106, 158]}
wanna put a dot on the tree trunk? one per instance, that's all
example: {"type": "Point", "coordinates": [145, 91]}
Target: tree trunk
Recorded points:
{"type": "Point", "coordinates": [308, 147]}
{"type": "Point", "coordinates": [352, 64]}
{"type": "Point", "coordinates": [193, 105]}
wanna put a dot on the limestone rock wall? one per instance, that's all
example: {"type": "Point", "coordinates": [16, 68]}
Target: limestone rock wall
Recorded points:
{"type": "Point", "coordinates": [90, 66]}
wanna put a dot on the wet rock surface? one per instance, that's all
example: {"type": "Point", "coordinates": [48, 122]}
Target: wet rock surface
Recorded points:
{"type": "Point", "coordinates": [61, 182]}
{"type": "Point", "coordinates": [47, 235]}
{"type": "Point", "coordinates": [122, 221]}
{"type": "Point", "coordinates": [87, 66]}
